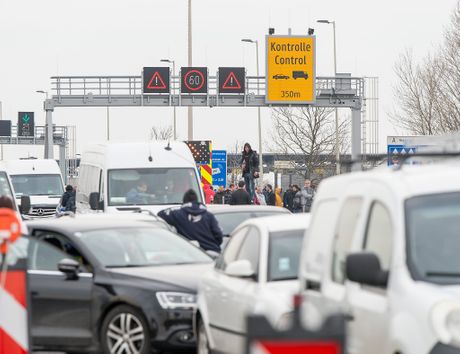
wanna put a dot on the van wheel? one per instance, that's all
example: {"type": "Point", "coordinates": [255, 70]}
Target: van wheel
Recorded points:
{"type": "Point", "coordinates": [125, 331]}
{"type": "Point", "coordinates": [203, 342]}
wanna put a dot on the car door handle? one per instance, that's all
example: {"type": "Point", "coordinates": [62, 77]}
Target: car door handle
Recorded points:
{"type": "Point", "coordinates": [34, 293]}
{"type": "Point", "coordinates": [349, 317]}
{"type": "Point", "coordinates": [313, 285]}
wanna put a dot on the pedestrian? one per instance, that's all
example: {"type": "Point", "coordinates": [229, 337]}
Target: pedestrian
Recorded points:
{"type": "Point", "coordinates": [270, 196]}
{"type": "Point", "coordinates": [297, 199]}
{"type": "Point", "coordinates": [288, 198]}
{"type": "Point", "coordinates": [241, 196]}
{"type": "Point", "coordinates": [219, 196]}
{"type": "Point", "coordinates": [250, 167]}
{"type": "Point", "coordinates": [228, 194]}
{"type": "Point", "coordinates": [193, 221]}
{"type": "Point", "coordinates": [259, 197]}
{"type": "Point", "coordinates": [68, 202]}
{"type": "Point", "coordinates": [279, 200]}
{"type": "Point", "coordinates": [208, 193]}
{"type": "Point", "coordinates": [308, 194]}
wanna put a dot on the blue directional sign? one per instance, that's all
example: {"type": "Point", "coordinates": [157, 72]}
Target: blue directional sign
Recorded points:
{"type": "Point", "coordinates": [219, 168]}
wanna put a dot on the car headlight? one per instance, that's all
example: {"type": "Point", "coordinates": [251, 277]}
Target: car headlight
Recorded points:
{"type": "Point", "coordinates": [171, 300]}
{"type": "Point", "coordinates": [446, 322]}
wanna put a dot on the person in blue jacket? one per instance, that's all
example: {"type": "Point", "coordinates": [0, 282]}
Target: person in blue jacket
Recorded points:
{"type": "Point", "coordinates": [193, 221]}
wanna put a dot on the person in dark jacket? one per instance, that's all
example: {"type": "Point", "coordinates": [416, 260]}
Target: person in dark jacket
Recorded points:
{"type": "Point", "coordinates": [250, 167]}
{"type": "Point", "coordinates": [297, 200]}
{"type": "Point", "coordinates": [193, 221]}
{"type": "Point", "coordinates": [288, 198]}
{"type": "Point", "coordinates": [271, 198]}
{"type": "Point", "coordinates": [240, 196]}
{"type": "Point", "coordinates": [68, 202]}
{"type": "Point", "coordinates": [219, 196]}
{"type": "Point", "coordinates": [228, 194]}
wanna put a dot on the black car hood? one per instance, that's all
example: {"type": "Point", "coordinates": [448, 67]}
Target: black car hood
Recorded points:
{"type": "Point", "coordinates": [186, 276]}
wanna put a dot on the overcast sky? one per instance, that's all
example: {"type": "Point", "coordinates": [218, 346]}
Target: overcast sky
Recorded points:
{"type": "Point", "coordinates": [39, 39]}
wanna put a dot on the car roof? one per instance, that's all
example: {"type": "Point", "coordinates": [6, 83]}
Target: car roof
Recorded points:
{"type": "Point", "coordinates": [225, 208]}
{"type": "Point", "coordinates": [406, 182]}
{"type": "Point", "coordinates": [280, 222]}
{"type": "Point", "coordinates": [82, 223]}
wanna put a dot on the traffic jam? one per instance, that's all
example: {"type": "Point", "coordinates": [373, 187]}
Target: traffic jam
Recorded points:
{"type": "Point", "coordinates": [134, 261]}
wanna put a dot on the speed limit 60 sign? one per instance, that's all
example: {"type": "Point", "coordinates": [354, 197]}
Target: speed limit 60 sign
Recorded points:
{"type": "Point", "coordinates": [194, 80]}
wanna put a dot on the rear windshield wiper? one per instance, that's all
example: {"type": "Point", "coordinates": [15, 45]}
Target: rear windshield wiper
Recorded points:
{"type": "Point", "coordinates": [442, 274]}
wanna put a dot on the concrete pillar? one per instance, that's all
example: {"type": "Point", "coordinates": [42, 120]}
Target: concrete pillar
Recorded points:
{"type": "Point", "coordinates": [49, 108]}
{"type": "Point", "coordinates": [355, 135]}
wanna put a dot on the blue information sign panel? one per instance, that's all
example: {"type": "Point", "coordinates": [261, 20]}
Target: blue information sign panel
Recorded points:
{"type": "Point", "coordinates": [219, 168]}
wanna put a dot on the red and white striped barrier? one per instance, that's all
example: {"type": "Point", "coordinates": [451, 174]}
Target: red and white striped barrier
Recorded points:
{"type": "Point", "coordinates": [14, 329]}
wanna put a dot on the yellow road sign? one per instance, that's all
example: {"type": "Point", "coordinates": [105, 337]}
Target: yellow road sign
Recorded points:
{"type": "Point", "coordinates": [290, 69]}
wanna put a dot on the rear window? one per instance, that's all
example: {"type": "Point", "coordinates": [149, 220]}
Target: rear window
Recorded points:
{"type": "Point", "coordinates": [231, 220]}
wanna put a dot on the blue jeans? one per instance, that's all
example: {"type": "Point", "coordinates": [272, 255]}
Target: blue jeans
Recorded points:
{"type": "Point", "coordinates": [249, 181]}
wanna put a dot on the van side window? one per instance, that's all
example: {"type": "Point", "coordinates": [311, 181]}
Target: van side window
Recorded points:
{"type": "Point", "coordinates": [250, 249]}
{"type": "Point", "coordinates": [345, 229]}
{"type": "Point", "coordinates": [379, 234]}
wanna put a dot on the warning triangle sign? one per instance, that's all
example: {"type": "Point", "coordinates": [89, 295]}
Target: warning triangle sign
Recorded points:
{"type": "Point", "coordinates": [156, 82]}
{"type": "Point", "coordinates": [231, 82]}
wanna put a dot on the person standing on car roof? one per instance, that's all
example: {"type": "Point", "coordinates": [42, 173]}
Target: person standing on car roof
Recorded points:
{"type": "Point", "coordinates": [241, 196]}
{"type": "Point", "coordinates": [250, 167]}
{"type": "Point", "coordinates": [193, 221]}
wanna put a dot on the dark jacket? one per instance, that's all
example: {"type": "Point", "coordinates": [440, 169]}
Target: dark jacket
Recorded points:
{"type": "Point", "coordinates": [252, 159]}
{"type": "Point", "coordinates": [270, 198]}
{"type": "Point", "coordinates": [219, 198]}
{"type": "Point", "coordinates": [288, 199]}
{"type": "Point", "coordinates": [68, 201]}
{"type": "Point", "coordinates": [240, 197]}
{"type": "Point", "coordinates": [194, 222]}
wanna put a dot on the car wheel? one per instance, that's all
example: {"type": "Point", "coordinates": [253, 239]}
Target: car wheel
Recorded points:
{"type": "Point", "coordinates": [203, 342]}
{"type": "Point", "coordinates": [125, 331]}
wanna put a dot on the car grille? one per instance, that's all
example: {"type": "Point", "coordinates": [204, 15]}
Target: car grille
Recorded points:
{"type": "Point", "coordinates": [42, 212]}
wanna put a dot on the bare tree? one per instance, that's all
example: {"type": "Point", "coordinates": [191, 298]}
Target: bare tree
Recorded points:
{"type": "Point", "coordinates": [428, 93]}
{"type": "Point", "coordinates": [310, 133]}
{"type": "Point", "coordinates": [161, 133]}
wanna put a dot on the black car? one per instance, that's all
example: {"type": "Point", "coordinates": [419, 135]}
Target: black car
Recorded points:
{"type": "Point", "coordinates": [111, 286]}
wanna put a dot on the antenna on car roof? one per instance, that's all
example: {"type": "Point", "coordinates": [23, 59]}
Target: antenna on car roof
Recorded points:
{"type": "Point", "coordinates": [168, 147]}
{"type": "Point", "coordinates": [150, 158]}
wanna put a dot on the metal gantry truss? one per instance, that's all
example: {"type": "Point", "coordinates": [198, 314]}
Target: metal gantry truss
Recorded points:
{"type": "Point", "coordinates": [60, 138]}
{"type": "Point", "coordinates": [126, 91]}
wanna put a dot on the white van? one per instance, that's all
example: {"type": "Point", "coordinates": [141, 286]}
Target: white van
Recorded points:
{"type": "Point", "coordinates": [383, 247]}
{"type": "Point", "coordinates": [41, 180]}
{"type": "Point", "coordinates": [117, 177]}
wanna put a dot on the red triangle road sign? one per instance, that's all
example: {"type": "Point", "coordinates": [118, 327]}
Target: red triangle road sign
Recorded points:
{"type": "Point", "coordinates": [156, 82]}
{"type": "Point", "coordinates": [231, 82]}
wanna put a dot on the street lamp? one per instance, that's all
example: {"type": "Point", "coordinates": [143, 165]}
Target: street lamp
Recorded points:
{"type": "Point", "coordinates": [337, 147]}
{"type": "Point", "coordinates": [173, 62]}
{"type": "Point", "coordinates": [49, 150]}
{"type": "Point", "coordinates": [246, 40]}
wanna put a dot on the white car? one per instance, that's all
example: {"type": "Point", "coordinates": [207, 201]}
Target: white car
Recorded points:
{"type": "Point", "coordinates": [383, 247]}
{"type": "Point", "coordinates": [257, 273]}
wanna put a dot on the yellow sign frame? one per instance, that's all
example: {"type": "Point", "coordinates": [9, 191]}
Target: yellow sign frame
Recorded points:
{"type": "Point", "coordinates": [290, 78]}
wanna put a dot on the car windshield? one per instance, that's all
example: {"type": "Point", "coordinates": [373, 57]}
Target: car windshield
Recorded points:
{"type": "Point", "coordinates": [433, 240]}
{"type": "Point", "coordinates": [5, 188]}
{"type": "Point", "coordinates": [284, 254]}
{"type": "Point", "coordinates": [138, 247]}
{"type": "Point", "coordinates": [229, 221]}
{"type": "Point", "coordinates": [151, 186]}
{"type": "Point", "coordinates": [37, 185]}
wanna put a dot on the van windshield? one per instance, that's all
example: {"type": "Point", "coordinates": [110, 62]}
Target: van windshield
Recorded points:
{"type": "Point", "coordinates": [433, 239]}
{"type": "Point", "coordinates": [5, 188]}
{"type": "Point", "coordinates": [47, 185]}
{"type": "Point", "coordinates": [150, 186]}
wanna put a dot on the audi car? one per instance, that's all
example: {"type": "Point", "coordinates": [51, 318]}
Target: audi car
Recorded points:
{"type": "Point", "coordinates": [112, 286]}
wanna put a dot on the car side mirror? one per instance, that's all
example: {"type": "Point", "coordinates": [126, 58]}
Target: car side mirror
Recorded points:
{"type": "Point", "coordinates": [25, 204]}
{"type": "Point", "coordinates": [240, 269]}
{"type": "Point", "coordinates": [69, 267]}
{"type": "Point", "coordinates": [94, 201]}
{"type": "Point", "coordinates": [364, 268]}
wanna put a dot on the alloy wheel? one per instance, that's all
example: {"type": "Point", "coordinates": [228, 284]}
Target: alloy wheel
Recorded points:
{"type": "Point", "coordinates": [125, 334]}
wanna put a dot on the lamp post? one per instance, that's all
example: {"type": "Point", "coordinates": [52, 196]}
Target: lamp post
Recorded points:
{"type": "Point", "coordinates": [173, 62]}
{"type": "Point", "coordinates": [337, 144]}
{"type": "Point", "coordinates": [190, 110]}
{"type": "Point", "coordinates": [258, 108]}
{"type": "Point", "coordinates": [49, 150]}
